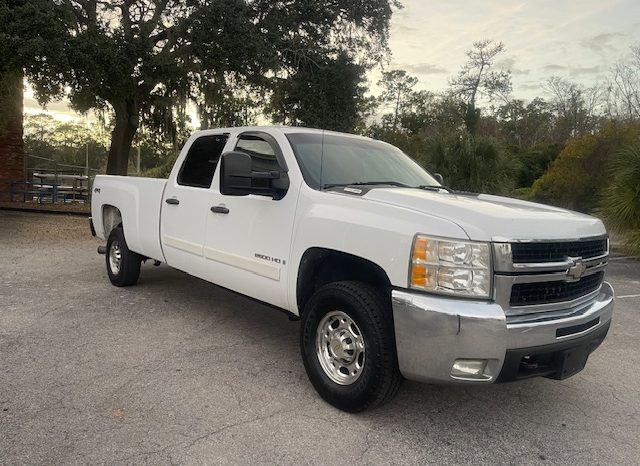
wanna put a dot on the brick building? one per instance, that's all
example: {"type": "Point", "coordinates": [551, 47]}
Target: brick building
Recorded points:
{"type": "Point", "coordinates": [12, 161]}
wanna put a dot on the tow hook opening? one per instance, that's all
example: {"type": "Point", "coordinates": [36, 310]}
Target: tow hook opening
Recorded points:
{"type": "Point", "coordinates": [529, 363]}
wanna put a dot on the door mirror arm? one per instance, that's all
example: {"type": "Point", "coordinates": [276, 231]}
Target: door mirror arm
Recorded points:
{"type": "Point", "coordinates": [270, 175]}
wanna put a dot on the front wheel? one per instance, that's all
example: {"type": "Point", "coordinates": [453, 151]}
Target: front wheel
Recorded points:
{"type": "Point", "coordinates": [123, 265]}
{"type": "Point", "coordinates": [348, 346]}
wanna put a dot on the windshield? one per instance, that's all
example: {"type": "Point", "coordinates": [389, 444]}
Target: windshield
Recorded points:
{"type": "Point", "coordinates": [330, 160]}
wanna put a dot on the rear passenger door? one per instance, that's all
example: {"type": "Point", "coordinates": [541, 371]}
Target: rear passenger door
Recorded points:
{"type": "Point", "coordinates": [186, 203]}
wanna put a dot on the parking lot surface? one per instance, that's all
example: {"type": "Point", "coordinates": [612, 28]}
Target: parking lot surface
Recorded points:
{"type": "Point", "coordinates": [178, 371]}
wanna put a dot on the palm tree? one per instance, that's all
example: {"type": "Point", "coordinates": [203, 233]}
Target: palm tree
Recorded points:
{"type": "Point", "coordinates": [473, 164]}
{"type": "Point", "coordinates": [621, 199]}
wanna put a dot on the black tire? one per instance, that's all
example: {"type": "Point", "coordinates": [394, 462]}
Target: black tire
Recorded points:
{"type": "Point", "coordinates": [379, 378]}
{"type": "Point", "coordinates": [129, 269]}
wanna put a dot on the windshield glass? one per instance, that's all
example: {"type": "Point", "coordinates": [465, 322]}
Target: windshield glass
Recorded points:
{"type": "Point", "coordinates": [331, 160]}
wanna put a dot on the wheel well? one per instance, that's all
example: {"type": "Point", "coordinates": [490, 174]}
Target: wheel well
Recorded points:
{"type": "Point", "coordinates": [320, 266]}
{"type": "Point", "coordinates": [111, 218]}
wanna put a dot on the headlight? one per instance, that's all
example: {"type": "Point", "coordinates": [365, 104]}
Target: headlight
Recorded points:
{"type": "Point", "coordinates": [459, 268]}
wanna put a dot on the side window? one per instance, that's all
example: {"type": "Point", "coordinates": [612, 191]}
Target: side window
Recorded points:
{"type": "Point", "coordinates": [263, 157]}
{"type": "Point", "coordinates": [200, 163]}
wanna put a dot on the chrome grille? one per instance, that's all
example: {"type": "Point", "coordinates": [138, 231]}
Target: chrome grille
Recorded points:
{"type": "Point", "coordinates": [527, 294]}
{"type": "Point", "coordinates": [557, 251]}
{"type": "Point", "coordinates": [548, 279]}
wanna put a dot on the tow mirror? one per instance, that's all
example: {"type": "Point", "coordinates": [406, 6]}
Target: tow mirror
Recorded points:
{"type": "Point", "coordinates": [238, 178]}
{"type": "Point", "coordinates": [438, 178]}
{"type": "Point", "coordinates": [236, 173]}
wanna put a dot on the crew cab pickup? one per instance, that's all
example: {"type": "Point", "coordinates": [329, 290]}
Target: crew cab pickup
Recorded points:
{"type": "Point", "coordinates": [392, 274]}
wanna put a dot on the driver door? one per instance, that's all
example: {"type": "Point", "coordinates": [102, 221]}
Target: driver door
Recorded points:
{"type": "Point", "coordinates": [248, 238]}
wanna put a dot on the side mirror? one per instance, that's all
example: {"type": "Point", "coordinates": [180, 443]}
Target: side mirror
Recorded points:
{"type": "Point", "coordinates": [235, 173]}
{"type": "Point", "coordinates": [238, 179]}
{"type": "Point", "coordinates": [438, 178]}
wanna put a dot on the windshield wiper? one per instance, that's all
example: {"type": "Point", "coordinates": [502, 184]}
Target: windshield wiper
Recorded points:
{"type": "Point", "coordinates": [430, 187]}
{"type": "Point", "coordinates": [366, 183]}
{"type": "Point", "coordinates": [426, 187]}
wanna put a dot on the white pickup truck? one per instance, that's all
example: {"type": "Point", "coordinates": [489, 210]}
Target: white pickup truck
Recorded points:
{"type": "Point", "coordinates": [392, 274]}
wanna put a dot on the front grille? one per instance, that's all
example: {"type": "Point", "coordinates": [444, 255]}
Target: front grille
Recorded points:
{"type": "Point", "coordinates": [528, 294]}
{"type": "Point", "coordinates": [557, 251]}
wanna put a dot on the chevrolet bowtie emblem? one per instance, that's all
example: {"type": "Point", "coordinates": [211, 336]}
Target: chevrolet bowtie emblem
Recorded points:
{"type": "Point", "coordinates": [577, 268]}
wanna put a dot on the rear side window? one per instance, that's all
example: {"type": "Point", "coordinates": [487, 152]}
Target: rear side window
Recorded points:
{"type": "Point", "coordinates": [200, 164]}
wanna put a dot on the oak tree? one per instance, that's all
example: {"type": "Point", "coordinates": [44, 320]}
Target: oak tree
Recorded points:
{"type": "Point", "coordinates": [145, 58]}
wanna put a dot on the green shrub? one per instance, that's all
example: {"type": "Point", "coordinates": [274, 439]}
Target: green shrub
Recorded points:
{"type": "Point", "coordinates": [522, 193]}
{"type": "Point", "coordinates": [163, 170]}
{"type": "Point", "coordinates": [620, 200]}
{"type": "Point", "coordinates": [472, 164]}
{"type": "Point", "coordinates": [577, 176]}
{"type": "Point", "coordinates": [534, 162]}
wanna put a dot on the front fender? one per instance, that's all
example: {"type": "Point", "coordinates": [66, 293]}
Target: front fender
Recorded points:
{"type": "Point", "coordinates": [374, 231]}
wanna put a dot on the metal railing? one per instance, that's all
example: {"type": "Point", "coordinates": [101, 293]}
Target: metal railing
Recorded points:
{"type": "Point", "coordinates": [48, 181]}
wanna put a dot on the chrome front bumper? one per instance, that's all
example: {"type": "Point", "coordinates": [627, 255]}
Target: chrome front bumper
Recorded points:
{"type": "Point", "coordinates": [432, 332]}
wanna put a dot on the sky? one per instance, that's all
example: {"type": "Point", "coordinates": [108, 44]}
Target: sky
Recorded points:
{"type": "Point", "coordinates": [579, 40]}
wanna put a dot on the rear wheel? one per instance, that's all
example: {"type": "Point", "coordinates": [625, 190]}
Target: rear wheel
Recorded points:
{"type": "Point", "coordinates": [123, 265]}
{"type": "Point", "coordinates": [348, 346]}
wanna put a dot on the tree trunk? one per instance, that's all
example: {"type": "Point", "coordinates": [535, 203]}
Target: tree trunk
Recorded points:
{"type": "Point", "coordinates": [125, 128]}
{"type": "Point", "coordinates": [471, 118]}
{"type": "Point", "coordinates": [395, 115]}
{"type": "Point", "coordinates": [12, 162]}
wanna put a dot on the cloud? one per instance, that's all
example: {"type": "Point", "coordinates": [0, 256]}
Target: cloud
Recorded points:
{"type": "Point", "coordinates": [529, 86]}
{"type": "Point", "coordinates": [506, 63]}
{"type": "Point", "coordinates": [401, 13]}
{"type": "Point", "coordinates": [510, 64]}
{"type": "Point", "coordinates": [31, 105]}
{"type": "Point", "coordinates": [580, 70]}
{"type": "Point", "coordinates": [601, 42]}
{"type": "Point", "coordinates": [403, 29]}
{"type": "Point", "coordinates": [424, 68]}
{"type": "Point", "coordinates": [554, 67]}
{"type": "Point", "coordinates": [574, 70]}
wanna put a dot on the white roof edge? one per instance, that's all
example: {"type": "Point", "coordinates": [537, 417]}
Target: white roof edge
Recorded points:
{"type": "Point", "coordinates": [284, 129]}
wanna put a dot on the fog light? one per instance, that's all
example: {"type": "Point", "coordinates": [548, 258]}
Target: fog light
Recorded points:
{"type": "Point", "coordinates": [469, 368]}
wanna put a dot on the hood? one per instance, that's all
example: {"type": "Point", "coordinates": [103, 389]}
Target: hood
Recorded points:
{"type": "Point", "coordinates": [493, 218]}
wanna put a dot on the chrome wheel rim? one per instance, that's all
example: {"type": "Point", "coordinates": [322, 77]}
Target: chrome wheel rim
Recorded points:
{"type": "Point", "coordinates": [115, 257]}
{"type": "Point", "coordinates": [340, 348]}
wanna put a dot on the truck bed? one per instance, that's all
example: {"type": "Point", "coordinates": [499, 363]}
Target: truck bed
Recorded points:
{"type": "Point", "coordinates": [139, 201]}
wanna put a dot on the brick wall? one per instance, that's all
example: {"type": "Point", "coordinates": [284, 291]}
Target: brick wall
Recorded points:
{"type": "Point", "coordinates": [11, 145]}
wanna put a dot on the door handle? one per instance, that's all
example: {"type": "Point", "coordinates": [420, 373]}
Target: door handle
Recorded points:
{"type": "Point", "coordinates": [219, 209]}
{"type": "Point", "coordinates": [172, 201]}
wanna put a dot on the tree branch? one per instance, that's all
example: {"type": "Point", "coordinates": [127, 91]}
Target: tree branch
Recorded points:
{"type": "Point", "coordinates": [153, 23]}
{"type": "Point", "coordinates": [126, 18]}
{"type": "Point", "coordinates": [162, 35]}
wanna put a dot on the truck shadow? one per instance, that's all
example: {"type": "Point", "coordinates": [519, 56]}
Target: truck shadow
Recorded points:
{"type": "Point", "coordinates": [275, 331]}
{"type": "Point", "coordinates": [449, 417]}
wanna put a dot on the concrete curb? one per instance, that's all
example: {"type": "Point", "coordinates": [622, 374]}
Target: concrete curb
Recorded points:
{"type": "Point", "coordinates": [46, 211]}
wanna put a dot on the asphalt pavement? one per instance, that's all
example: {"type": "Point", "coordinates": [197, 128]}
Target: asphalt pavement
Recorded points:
{"type": "Point", "coordinates": [178, 371]}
